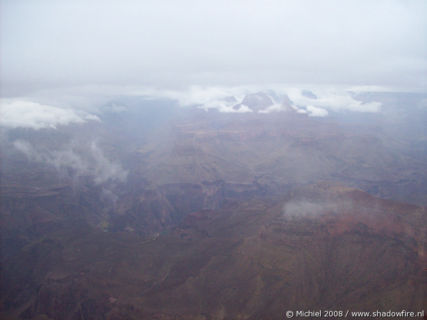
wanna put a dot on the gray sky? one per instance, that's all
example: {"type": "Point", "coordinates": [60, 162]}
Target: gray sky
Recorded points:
{"type": "Point", "coordinates": [46, 44]}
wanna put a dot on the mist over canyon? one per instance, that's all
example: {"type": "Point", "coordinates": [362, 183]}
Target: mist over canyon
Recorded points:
{"type": "Point", "coordinates": [212, 160]}
{"type": "Point", "coordinates": [213, 205]}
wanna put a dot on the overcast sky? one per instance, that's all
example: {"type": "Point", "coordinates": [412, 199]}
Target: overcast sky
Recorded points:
{"type": "Point", "coordinates": [179, 43]}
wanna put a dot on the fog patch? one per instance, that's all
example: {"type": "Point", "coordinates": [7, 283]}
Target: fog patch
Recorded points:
{"type": "Point", "coordinates": [91, 161]}
{"type": "Point", "coordinates": [305, 208]}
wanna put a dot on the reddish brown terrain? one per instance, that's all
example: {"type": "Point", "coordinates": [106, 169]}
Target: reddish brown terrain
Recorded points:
{"type": "Point", "coordinates": [212, 216]}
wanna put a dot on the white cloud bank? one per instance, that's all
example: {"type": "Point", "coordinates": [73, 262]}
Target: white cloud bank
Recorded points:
{"type": "Point", "coordinates": [17, 113]}
{"type": "Point", "coordinates": [224, 99]}
{"type": "Point", "coordinates": [220, 98]}
{"type": "Point", "coordinates": [52, 109]}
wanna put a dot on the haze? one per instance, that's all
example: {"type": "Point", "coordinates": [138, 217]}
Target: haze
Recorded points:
{"type": "Point", "coordinates": [47, 44]}
{"type": "Point", "coordinates": [212, 160]}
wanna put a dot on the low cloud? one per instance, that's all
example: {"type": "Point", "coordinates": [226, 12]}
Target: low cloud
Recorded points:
{"type": "Point", "coordinates": [274, 108]}
{"type": "Point", "coordinates": [333, 100]}
{"type": "Point", "coordinates": [79, 105]}
{"type": "Point", "coordinates": [220, 98]}
{"type": "Point", "coordinates": [316, 112]}
{"type": "Point", "coordinates": [28, 114]}
{"type": "Point", "coordinates": [318, 104]}
{"type": "Point", "coordinates": [91, 161]}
